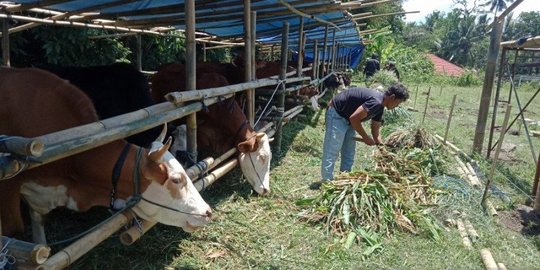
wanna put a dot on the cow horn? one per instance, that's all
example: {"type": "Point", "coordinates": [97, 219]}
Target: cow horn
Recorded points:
{"type": "Point", "coordinates": [158, 154]}
{"type": "Point", "coordinates": [161, 136]}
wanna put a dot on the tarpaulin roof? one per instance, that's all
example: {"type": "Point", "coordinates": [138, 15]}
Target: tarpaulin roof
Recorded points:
{"type": "Point", "coordinates": [221, 18]}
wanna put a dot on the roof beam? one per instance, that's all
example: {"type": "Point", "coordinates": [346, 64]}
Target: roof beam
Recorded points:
{"type": "Point", "coordinates": [294, 10]}
{"type": "Point", "coordinates": [23, 7]}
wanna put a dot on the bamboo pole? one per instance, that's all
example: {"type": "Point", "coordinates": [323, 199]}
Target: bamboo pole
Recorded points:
{"type": "Point", "coordinates": [300, 58]}
{"type": "Point", "coordinates": [485, 97]}
{"type": "Point", "coordinates": [453, 147]}
{"type": "Point", "coordinates": [31, 253]}
{"type": "Point", "coordinates": [73, 252]}
{"type": "Point", "coordinates": [281, 97]}
{"type": "Point", "coordinates": [139, 52]}
{"type": "Point", "coordinates": [21, 146]}
{"type": "Point", "coordinates": [324, 53]}
{"type": "Point", "coordinates": [496, 100]}
{"type": "Point", "coordinates": [191, 76]}
{"type": "Point", "coordinates": [488, 260]}
{"type": "Point", "coordinates": [415, 97]}
{"type": "Point", "coordinates": [5, 43]}
{"type": "Point", "coordinates": [473, 235]}
{"type": "Point", "coordinates": [251, 92]}
{"type": "Point", "coordinates": [463, 233]}
{"type": "Point", "coordinates": [135, 232]}
{"type": "Point", "coordinates": [75, 140]}
{"type": "Point", "coordinates": [501, 266]}
{"type": "Point", "coordinates": [426, 106]}
{"type": "Point", "coordinates": [215, 174]}
{"type": "Point", "coordinates": [497, 151]}
{"type": "Point", "coordinates": [535, 190]}
{"type": "Point", "coordinates": [449, 118]}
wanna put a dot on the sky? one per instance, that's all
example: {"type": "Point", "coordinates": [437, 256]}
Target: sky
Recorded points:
{"type": "Point", "coordinates": [428, 6]}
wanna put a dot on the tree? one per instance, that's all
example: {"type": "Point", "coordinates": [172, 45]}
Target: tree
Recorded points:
{"type": "Point", "coordinates": [497, 5]}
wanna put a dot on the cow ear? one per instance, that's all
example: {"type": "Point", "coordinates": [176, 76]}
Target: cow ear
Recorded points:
{"type": "Point", "coordinates": [244, 147]}
{"type": "Point", "coordinates": [158, 154]}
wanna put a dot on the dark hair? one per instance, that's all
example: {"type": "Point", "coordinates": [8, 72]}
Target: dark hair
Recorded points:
{"type": "Point", "coordinates": [398, 90]}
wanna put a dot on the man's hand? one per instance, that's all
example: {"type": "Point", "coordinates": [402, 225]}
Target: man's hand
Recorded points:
{"type": "Point", "coordinates": [367, 140]}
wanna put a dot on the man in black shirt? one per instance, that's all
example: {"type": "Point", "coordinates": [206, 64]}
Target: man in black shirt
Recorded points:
{"type": "Point", "coordinates": [372, 66]}
{"type": "Point", "coordinates": [344, 117]}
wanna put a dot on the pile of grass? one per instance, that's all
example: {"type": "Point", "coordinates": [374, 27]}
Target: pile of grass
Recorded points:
{"type": "Point", "coordinates": [411, 137]}
{"type": "Point", "coordinates": [369, 205]}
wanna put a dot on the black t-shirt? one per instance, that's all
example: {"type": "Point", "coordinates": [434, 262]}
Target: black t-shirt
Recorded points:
{"type": "Point", "coordinates": [349, 100]}
{"type": "Point", "coordinates": [372, 66]}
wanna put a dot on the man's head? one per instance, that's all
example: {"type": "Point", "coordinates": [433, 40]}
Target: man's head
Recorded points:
{"type": "Point", "coordinates": [374, 56]}
{"type": "Point", "coordinates": [395, 95]}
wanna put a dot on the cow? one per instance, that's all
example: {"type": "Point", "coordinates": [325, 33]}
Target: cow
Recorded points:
{"type": "Point", "coordinates": [36, 102]}
{"type": "Point", "coordinates": [222, 125]}
{"type": "Point", "coordinates": [114, 89]}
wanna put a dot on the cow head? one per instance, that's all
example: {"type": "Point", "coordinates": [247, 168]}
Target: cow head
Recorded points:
{"type": "Point", "coordinates": [255, 157]}
{"type": "Point", "coordinates": [171, 197]}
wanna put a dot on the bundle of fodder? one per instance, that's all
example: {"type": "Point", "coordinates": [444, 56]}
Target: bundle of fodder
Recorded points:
{"type": "Point", "coordinates": [371, 204]}
{"type": "Point", "coordinates": [411, 137]}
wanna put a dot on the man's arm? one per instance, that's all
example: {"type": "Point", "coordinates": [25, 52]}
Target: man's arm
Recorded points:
{"type": "Point", "coordinates": [375, 131]}
{"type": "Point", "coordinates": [356, 123]}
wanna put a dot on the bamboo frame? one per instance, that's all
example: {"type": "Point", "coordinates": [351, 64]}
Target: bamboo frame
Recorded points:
{"type": "Point", "coordinates": [296, 11]}
{"type": "Point", "coordinates": [450, 117]}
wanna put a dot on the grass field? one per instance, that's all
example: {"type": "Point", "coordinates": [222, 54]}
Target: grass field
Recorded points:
{"type": "Point", "coordinates": [254, 232]}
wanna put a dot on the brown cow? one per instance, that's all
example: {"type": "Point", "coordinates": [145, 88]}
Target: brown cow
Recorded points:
{"type": "Point", "coordinates": [36, 102]}
{"type": "Point", "coordinates": [223, 125]}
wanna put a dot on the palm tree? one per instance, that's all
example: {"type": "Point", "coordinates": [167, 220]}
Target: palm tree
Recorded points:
{"type": "Point", "coordinates": [497, 5]}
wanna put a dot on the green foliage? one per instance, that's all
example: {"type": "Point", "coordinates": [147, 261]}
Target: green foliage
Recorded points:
{"type": "Point", "coordinates": [73, 47]}
{"type": "Point", "coordinates": [467, 79]}
{"type": "Point", "coordinates": [382, 78]}
{"type": "Point", "coordinates": [526, 24]}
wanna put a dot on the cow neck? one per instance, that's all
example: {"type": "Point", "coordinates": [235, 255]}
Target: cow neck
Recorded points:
{"type": "Point", "coordinates": [126, 176]}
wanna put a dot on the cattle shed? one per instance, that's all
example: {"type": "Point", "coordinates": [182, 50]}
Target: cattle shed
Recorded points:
{"type": "Point", "coordinates": [324, 33]}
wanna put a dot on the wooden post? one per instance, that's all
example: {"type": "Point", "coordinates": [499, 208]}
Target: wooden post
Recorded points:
{"type": "Point", "coordinates": [440, 93]}
{"type": "Point", "coordinates": [315, 59]}
{"type": "Point", "coordinates": [282, 76]}
{"type": "Point", "coordinates": [253, 67]}
{"type": "Point", "coordinates": [5, 43]}
{"type": "Point", "coordinates": [535, 191]}
{"type": "Point", "coordinates": [139, 52]}
{"type": "Point", "coordinates": [449, 118]}
{"type": "Point", "coordinates": [300, 47]}
{"type": "Point", "coordinates": [496, 101]}
{"type": "Point", "coordinates": [204, 51]}
{"type": "Point", "coordinates": [415, 97]}
{"type": "Point", "coordinates": [494, 45]}
{"type": "Point", "coordinates": [324, 54]}
{"type": "Point", "coordinates": [191, 76]}
{"type": "Point", "coordinates": [425, 108]}
{"type": "Point", "coordinates": [496, 157]}
{"type": "Point", "coordinates": [333, 49]}
{"type": "Point", "coordinates": [247, 55]}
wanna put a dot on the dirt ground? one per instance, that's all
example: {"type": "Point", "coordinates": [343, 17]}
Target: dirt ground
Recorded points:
{"type": "Point", "coordinates": [523, 219]}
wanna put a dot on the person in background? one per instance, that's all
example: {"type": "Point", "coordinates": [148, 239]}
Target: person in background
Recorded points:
{"type": "Point", "coordinates": [391, 66]}
{"type": "Point", "coordinates": [344, 117]}
{"type": "Point", "coordinates": [372, 66]}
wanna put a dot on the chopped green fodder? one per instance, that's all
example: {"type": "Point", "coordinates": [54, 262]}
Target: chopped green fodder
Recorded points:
{"type": "Point", "coordinates": [395, 194]}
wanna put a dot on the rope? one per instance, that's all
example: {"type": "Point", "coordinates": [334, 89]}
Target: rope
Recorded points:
{"type": "Point", "coordinates": [281, 82]}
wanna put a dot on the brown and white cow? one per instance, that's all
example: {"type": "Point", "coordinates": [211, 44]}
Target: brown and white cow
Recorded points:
{"type": "Point", "coordinates": [223, 125]}
{"type": "Point", "coordinates": [36, 102]}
